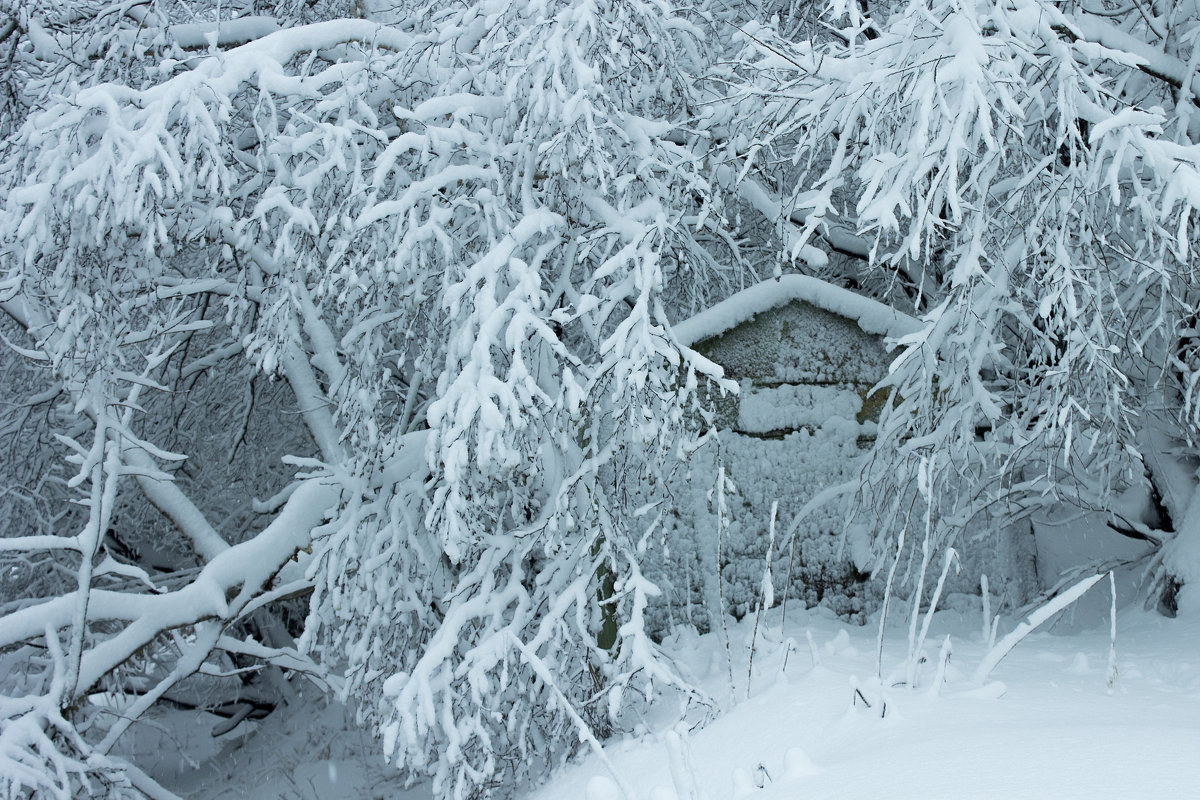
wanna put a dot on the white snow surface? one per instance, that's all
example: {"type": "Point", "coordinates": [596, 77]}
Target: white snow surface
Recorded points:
{"type": "Point", "coordinates": [871, 315]}
{"type": "Point", "coordinates": [1047, 725]}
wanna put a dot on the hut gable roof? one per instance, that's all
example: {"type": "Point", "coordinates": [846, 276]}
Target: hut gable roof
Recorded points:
{"type": "Point", "coordinates": [870, 315]}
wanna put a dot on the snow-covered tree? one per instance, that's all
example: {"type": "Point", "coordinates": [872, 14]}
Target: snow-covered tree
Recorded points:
{"type": "Point", "coordinates": [1025, 175]}
{"type": "Point", "coordinates": [535, 193]}
{"type": "Point", "coordinates": [449, 250]}
{"type": "Point", "coordinates": [338, 335]}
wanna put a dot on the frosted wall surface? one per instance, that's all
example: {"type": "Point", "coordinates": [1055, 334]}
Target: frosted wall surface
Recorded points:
{"type": "Point", "coordinates": [799, 343]}
{"type": "Point", "coordinates": [791, 432]}
{"type": "Point", "coordinates": [790, 469]}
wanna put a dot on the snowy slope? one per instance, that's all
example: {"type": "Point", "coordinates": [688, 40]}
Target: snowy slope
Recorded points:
{"type": "Point", "coordinates": [1046, 727]}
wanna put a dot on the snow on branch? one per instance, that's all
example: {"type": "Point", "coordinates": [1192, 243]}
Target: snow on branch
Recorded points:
{"type": "Point", "coordinates": [1028, 174]}
{"type": "Point", "coordinates": [219, 591]}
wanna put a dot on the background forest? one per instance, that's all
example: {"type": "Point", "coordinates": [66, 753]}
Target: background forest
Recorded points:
{"type": "Point", "coordinates": [340, 350]}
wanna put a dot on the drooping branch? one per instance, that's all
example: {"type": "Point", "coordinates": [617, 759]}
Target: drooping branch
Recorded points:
{"type": "Point", "coordinates": [162, 492]}
{"type": "Point", "coordinates": [1149, 60]}
{"type": "Point", "coordinates": [220, 592]}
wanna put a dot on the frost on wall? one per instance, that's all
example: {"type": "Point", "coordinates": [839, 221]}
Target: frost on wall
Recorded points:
{"type": "Point", "coordinates": [790, 469]}
{"type": "Point", "coordinates": [799, 343]}
{"type": "Point", "coordinates": [798, 366]}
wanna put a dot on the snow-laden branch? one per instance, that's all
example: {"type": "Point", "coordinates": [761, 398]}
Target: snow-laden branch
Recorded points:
{"type": "Point", "coordinates": [51, 44]}
{"type": "Point", "coordinates": [158, 487]}
{"type": "Point", "coordinates": [1139, 53]}
{"type": "Point", "coordinates": [174, 504]}
{"type": "Point", "coordinates": [264, 58]}
{"type": "Point", "coordinates": [1002, 648]}
{"type": "Point", "coordinates": [220, 591]}
{"type": "Point", "coordinates": [1015, 163]}
{"type": "Point", "coordinates": [227, 33]}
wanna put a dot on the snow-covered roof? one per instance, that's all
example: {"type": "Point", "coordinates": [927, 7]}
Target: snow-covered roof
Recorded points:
{"type": "Point", "coordinates": [870, 315]}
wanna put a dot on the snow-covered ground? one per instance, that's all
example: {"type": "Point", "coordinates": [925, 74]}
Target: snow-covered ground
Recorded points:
{"type": "Point", "coordinates": [817, 723]}
{"type": "Point", "coordinates": [1047, 724]}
